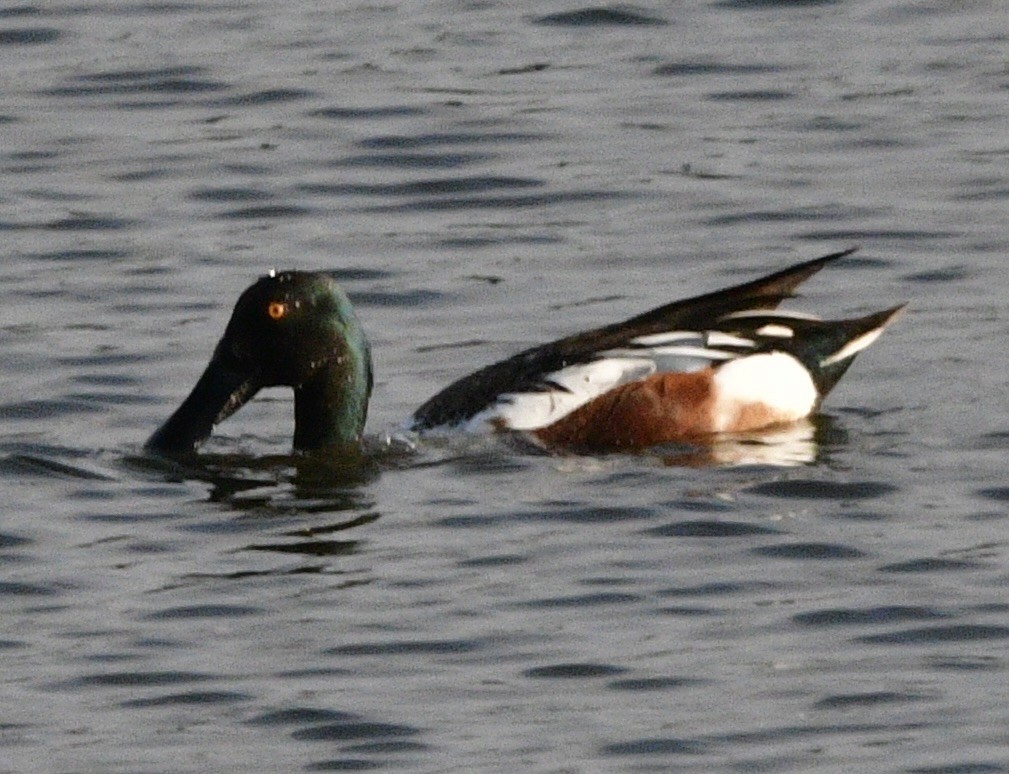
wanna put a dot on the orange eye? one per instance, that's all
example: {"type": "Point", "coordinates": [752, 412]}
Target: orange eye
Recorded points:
{"type": "Point", "coordinates": [277, 310]}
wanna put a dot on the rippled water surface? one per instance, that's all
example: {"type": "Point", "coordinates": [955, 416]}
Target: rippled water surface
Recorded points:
{"type": "Point", "coordinates": [484, 176]}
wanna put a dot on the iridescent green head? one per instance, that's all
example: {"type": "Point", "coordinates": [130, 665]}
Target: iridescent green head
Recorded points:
{"type": "Point", "coordinates": [290, 328]}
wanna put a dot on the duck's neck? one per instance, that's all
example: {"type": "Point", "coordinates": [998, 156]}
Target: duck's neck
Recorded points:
{"type": "Point", "coordinates": [330, 408]}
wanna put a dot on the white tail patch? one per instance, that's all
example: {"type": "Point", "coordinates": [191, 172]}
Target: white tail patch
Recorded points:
{"type": "Point", "coordinates": [774, 382]}
{"type": "Point", "coordinates": [853, 347]}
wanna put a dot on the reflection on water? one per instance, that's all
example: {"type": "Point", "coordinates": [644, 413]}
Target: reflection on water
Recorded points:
{"type": "Point", "coordinates": [787, 446]}
{"type": "Point", "coordinates": [266, 485]}
{"type": "Point", "coordinates": [792, 445]}
{"type": "Point", "coordinates": [315, 496]}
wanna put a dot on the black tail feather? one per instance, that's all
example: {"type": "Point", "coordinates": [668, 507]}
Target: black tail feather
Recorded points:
{"type": "Point", "coordinates": [762, 293]}
{"type": "Point", "coordinates": [826, 370]}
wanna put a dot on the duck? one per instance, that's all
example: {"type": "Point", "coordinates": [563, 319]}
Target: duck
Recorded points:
{"type": "Point", "coordinates": [722, 363]}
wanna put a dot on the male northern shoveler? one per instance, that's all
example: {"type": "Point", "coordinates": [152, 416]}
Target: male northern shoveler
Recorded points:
{"type": "Point", "coordinates": [291, 328]}
{"type": "Point", "coordinates": [723, 362]}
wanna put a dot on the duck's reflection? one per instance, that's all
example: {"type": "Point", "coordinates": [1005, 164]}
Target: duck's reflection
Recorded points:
{"type": "Point", "coordinates": [294, 503]}
{"type": "Point", "coordinates": [792, 445]}
{"type": "Point", "coordinates": [804, 442]}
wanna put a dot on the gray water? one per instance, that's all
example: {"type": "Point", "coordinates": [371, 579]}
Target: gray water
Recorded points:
{"type": "Point", "coordinates": [485, 176]}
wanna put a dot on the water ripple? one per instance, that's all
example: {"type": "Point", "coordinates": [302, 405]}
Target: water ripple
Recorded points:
{"type": "Point", "coordinates": [436, 140]}
{"type": "Point", "coordinates": [496, 202]}
{"type": "Point", "coordinates": [83, 222]}
{"type": "Point", "coordinates": [710, 528]}
{"type": "Point", "coordinates": [302, 716]}
{"type": "Point", "coordinates": [229, 194]}
{"type": "Point", "coordinates": [353, 729]}
{"type": "Point", "coordinates": [574, 671]}
{"type": "Point", "coordinates": [656, 683]}
{"type": "Point", "coordinates": [135, 679]}
{"type": "Point", "coordinates": [862, 616]}
{"type": "Point", "coordinates": [29, 36]}
{"type": "Point", "coordinates": [657, 746]}
{"type": "Point", "coordinates": [867, 699]}
{"type": "Point", "coordinates": [929, 564]}
{"type": "Point", "coordinates": [823, 490]}
{"type": "Point", "coordinates": [771, 4]}
{"type": "Point", "coordinates": [267, 211]}
{"type": "Point", "coordinates": [413, 160]}
{"type": "Point", "coordinates": [751, 95]}
{"type": "Point", "coordinates": [716, 589]}
{"type": "Point", "coordinates": [618, 16]}
{"type": "Point", "coordinates": [936, 634]}
{"type": "Point", "coordinates": [590, 514]}
{"type": "Point", "coordinates": [581, 600]}
{"type": "Point", "coordinates": [265, 97]}
{"type": "Point", "coordinates": [380, 112]}
{"type": "Point", "coordinates": [202, 611]}
{"type": "Point", "coordinates": [473, 184]}
{"type": "Point", "coordinates": [808, 551]}
{"type": "Point", "coordinates": [187, 698]}
{"type": "Point", "coordinates": [691, 68]}
{"type": "Point", "coordinates": [407, 648]}
{"type": "Point", "coordinates": [174, 81]}
{"type": "Point", "coordinates": [9, 540]}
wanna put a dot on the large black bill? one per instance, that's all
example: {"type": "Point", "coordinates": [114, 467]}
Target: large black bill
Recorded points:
{"type": "Point", "coordinates": [220, 392]}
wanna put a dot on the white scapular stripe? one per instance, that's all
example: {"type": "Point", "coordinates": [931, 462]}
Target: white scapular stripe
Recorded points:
{"type": "Point", "coordinates": [719, 339]}
{"type": "Point", "coordinates": [774, 330]}
{"type": "Point", "coordinates": [666, 337]}
{"type": "Point", "coordinates": [691, 338]}
{"type": "Point", "coordinates": [774, 380]}
{"type": "Point", "coordinates": [784, 314]}
{"type": "Point", "coordinates": [853, 347]}
{"type": "Point", "coordinates": [576, 385]}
